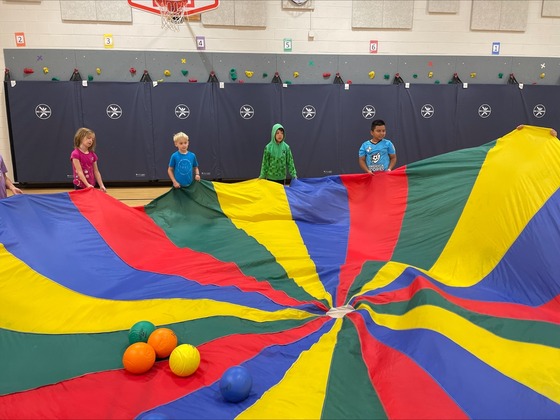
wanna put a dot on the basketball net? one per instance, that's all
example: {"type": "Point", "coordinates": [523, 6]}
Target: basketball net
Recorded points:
{"type": "Point", "coordinates": [173, 13]}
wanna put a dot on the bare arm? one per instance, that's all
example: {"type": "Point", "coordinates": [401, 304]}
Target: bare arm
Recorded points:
{"type": "Point", "coordinates": [98, 177]}
{"type": "Point", "coordinates": [172, 177]}
{"type": "Point", "coordinates": [10, 185]}
{"type": "Point", "coordinates": [392, 161]}
{"type": "Point", "coordinates": [362, 162]}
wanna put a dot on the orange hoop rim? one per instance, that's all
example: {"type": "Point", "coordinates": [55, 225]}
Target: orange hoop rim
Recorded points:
{"type": "Point", "coordinates": [173, 6]}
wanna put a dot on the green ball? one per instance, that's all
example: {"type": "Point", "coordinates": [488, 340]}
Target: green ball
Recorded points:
{"type": "Point", "coordinates": [140, 332]}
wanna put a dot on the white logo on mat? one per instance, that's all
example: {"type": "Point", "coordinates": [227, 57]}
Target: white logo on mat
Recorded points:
{"type": "Point", "coordinates": [114, 111]}
{"type": "Point", "coordinates": [43, 111]}
{"type": "Point", "coordinates": [427, 111]}
{"type": "Point", "coordinates": [539, 110]}
{"type": "Point", "coordinates": [247, 112]}
{"type": "Point", "coordinates": [182, 111]}
{"type": "Point", "coordinates": [368, 112]}
{"type": "Point", "coordinates": [484, 111]}
{"type": "Point", "coordinates": [308, 112]}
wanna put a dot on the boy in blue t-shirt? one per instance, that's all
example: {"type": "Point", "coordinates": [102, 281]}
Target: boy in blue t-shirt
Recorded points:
{"type": "Point", "coordinates": [378, 153]}
{"type": "Point", "coordinates": [182, 163]}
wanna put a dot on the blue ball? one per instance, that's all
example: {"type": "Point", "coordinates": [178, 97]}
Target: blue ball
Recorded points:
{"type": "Point", "coordinates": [236, 384]}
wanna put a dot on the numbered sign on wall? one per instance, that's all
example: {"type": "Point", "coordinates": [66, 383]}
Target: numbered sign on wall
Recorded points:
{"type": "Point", "coordinates": [108, 41]}
{"type": "Point", "coordinates": [20, 39]}
{"type": "Point", "coordinates": [287, 44]}
{"type": "Point", "coordinates": [200, 43]}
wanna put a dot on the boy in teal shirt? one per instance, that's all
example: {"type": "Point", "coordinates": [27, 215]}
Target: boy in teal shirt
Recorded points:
{"type": "Point", "coordinates": [277, 157]}
{"type": "Point", "coordinates": [378, 153]}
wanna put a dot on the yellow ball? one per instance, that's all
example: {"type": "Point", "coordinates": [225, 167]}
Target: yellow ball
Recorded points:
{"type": "Point", "coordinates": [184, 360]}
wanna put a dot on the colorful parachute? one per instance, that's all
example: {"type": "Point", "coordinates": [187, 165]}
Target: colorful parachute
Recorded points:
{"type": "Point", "coordinates": [432, 291]}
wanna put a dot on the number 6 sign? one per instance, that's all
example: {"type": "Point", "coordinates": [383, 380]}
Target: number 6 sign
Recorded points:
{"type": "Point", "coordinates": [373, 47]}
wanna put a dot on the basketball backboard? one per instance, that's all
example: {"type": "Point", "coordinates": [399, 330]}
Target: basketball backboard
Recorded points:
{"type": "Point", "coordinates": [193, 6]}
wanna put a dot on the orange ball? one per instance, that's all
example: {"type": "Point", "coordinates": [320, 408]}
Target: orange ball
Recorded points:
{"type": "Point", "coordinates": [163, 340]}
{"type": "Point", "coordinates": [139, 358]}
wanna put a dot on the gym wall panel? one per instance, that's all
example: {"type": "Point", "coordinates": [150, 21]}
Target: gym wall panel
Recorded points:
{"type": "Point", "coordinates": [551, 8]}
{"type": "Point", "coordinates": [113, 11]}
{"type": "Point", "coordinates": [311, 118]}
{"type": "Point", "coordinates": [370, 69]}
{"type": "Point", "coordinates": [307, 70]}
{"type": "Point", "coordinates": [485, 113]}
{"type": "Point", "coordinates": [78, 10]}
{"type": "Point", "coordinates": [499, 15]}
{"type": "Point", "coordinates": [478, 71]}
{"type": "Point", "coordinates": [232, 68]}
{"type": "Point", "coordinates": [60, 64]}
{"type": "Point", "coordinates": [42, 118]}
{"type": "Point", "coordinates": [248, 13]}
{"type": "Point", "coordinates": [119, 70]}
{"type": "Point", "coordinates": [223, 15]}
{"type": "Point", "coordinates": [198, 66]}
{"type": "Point", "coordinates": [426, 118]}
{"type": "Point", "coordinates": [385, 14]}
{"type": "Point", "coordinates": [188, 108]}
{"type": "Point", "coordinates": [541, 106]}
{"type": "Point", "coordinates": [230, 124]}
{"type": "Point", "coordinates": [359, 106]}
{"type": "Point", "coordinates": [245, 115]}
{"type": "Point", "coordinates": [96, 10]}
{"type": "Point", "coordinates": [121, 116]}
{"type": "Point", "coordinates": [443, 6]}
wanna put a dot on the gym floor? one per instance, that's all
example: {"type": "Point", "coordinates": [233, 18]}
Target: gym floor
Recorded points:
{"type": "Point", "coordinates": [132, 196]}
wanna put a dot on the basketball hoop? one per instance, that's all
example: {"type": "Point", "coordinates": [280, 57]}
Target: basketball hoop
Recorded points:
{"type": "Point", "coordinates": [173, 13]}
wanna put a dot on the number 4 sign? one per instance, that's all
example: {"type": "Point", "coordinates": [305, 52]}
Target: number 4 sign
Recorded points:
{"type": "Point", "coordinates": [20, 39]}
{"type": "Point", "coordinates": [200, 43]}
{"type": "Point", "coordinates": [373, 47]}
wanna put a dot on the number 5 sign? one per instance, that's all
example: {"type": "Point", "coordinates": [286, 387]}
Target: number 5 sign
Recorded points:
{"type": "Point", "coordinates": [287, 44]}
{"type": "Point", "coordinates": [373, 47]}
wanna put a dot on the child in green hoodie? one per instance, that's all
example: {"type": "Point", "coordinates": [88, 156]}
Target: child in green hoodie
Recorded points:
{"type": "Point", "coordinates": [277, 157]}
